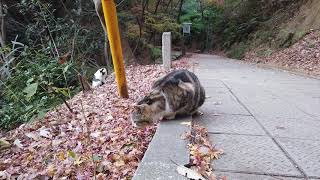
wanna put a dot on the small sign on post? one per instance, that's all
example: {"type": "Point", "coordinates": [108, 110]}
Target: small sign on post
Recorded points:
{"type": "Point", "coordinates": [166, 50]}
{"type": "Point", "coordinates": [186, 28]}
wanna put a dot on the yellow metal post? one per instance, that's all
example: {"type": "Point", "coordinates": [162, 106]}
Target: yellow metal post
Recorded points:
{"type": "Point", "coordinates": [110, 16]}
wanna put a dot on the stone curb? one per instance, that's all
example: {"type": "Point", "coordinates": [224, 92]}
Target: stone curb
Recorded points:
{"type": "Point", "coordinates": [165, 146]}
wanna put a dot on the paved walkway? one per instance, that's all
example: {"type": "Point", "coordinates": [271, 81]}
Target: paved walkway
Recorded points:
{"type": "Point", "coordinates": [266, 121]}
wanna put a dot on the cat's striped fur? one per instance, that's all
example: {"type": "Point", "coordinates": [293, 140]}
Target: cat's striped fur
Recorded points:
{"type": "Point", "coordinates": [177, 93]}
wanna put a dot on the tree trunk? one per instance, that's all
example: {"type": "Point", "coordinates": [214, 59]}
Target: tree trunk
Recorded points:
{"type": "Point", "coordinates": [201, 9]}
{"type": "Point", "coordinates": [144, 7]}
{"type": "Point", "coordinates": [157, 6]}
{"type": "Point", "coordinates": [3, 33]}
{"type": "Point", "coordinates": [6, 60]}
{"type": "Point", "coordinates": [180, 11]}
{"type": "Point", "coordinates": [170, 1]}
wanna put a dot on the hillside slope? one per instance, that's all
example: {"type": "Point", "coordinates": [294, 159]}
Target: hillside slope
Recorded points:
{"type": "Point", "coordinates": [303, 56]}
{"type": "Point", "coordinates": [288, 42]}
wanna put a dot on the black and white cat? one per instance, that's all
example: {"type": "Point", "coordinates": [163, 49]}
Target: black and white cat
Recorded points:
{"type": "Point", "coordinates": [99, 77]}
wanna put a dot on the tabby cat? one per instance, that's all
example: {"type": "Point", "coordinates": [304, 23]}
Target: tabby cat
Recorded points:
{"type": "Point", "coordinates": [177, 93]}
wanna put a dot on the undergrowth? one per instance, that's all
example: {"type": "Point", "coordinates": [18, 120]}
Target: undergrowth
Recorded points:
{"type": "Point", "coordinates": [54, 50]}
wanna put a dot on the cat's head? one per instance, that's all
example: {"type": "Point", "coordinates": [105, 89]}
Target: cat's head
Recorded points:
{"type": "Point", "coordinates": [149, 109]}
{"type": "Point", "coordinates": [101, 74]}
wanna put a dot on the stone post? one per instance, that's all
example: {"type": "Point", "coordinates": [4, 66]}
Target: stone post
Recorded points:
{"type": "Point", "coordinates": [166, 50]}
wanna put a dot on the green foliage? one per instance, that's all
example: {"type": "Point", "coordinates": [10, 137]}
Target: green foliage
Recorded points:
{"type": "Point", "coordinates": [198, 24]}
{"type": "Point", "coordinates": [35, 87]}
{"type": "Point", "coordinates": [204, 19]}
{"type": "Point", "coordinates": [237, 51]}
{"type": "Point", "coordinates": [155, 53]}
{"type": "Point", "coordinates": [264, 52]}
{"type": "Point", "coordinates": [39, 78]}
{"type": "Point", "coordinates": [31, 89]}
{"type": "Point", "coordinates": [159, 23]}
{"type": "Point", "coordinates": [233, 30]}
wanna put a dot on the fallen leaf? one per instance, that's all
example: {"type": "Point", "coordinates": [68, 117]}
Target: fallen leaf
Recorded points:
{"type": "Point", "coordinates": [78, 161]}
{"type": "Point", "coordinates": [72, 154]}
{"type": "Point", "coordinates": [56, 142]}
{"type": "Point", "coordinates": [4, 175]}
{"type": "Point", "coordinates": [186, 123]}
{"type": "Point", "coordinates": [95, 134]}
{"type": "Point", "coordinates": [30, 157]}
{"type": "Point", "coordinates": [224, 178]}
{"type": "Point", "coordinates": [119, 163]}
{"type": "Point", "coordinates": [189, 173]}
{"type": "Point", "coordinates": [4, 144]}
{"type": "Point", "coordinates": [96, 158]}
{"type": "Point", "coordinates": [61, 156]}
{"type": "Point", "coordinates": [51, 170]}
{"type": "Point", "coordinates": [64, 58]}
{"type": "Point", "coordinates": [32, 136]}
{"type": "Point", "coordinates": [45, 133]}
{"type": "Point", "coordinates": [109, 117]}
{"type": "Point", "coordinates": [17, 142]}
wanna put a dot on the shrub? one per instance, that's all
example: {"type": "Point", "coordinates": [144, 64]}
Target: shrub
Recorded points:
{"type": "Point", "coordinates": [43, 74]}
{"type": "Point", "coordinates": [237, 51]}
{"type": "Point", "coordinates": [156, 53]}
{"type": "Point", "coordinates": [37, 84]}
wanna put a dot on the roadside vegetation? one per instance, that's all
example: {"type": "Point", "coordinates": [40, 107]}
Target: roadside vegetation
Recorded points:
{"type": "Point", "coordinates": [45, 45]}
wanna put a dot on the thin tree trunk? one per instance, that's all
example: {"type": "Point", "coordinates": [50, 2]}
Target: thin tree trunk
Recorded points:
{"type": "Point", "coordinates": [157, 6]}
{"type": "Point", "coordinates": [201, 9]}
{"type": "Point", "coordinates": [99, 11]}
{"type": "Point", "coordinates": [3, 33]}
{"type": "Point", "coordinates": [180, 11]}
{"type": "Point", "coordinates": [170, 1]}
{"type": "Point", "coordinates": [6, 60]}
{"type": "Point", "coordinates": [144, 7]}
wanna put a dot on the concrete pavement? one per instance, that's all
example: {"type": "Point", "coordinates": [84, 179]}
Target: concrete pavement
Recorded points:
{"type": "Point", "coordinates": [266, 121]}
{"type": "Point", "coordinates": [166, 146]}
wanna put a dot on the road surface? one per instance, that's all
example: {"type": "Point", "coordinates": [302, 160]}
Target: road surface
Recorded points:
{"type": "Point", "coordinates": [266, 121]}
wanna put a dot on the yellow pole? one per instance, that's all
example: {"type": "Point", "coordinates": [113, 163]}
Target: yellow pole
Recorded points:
{"type": "Point", "coordinates": [110, 16]}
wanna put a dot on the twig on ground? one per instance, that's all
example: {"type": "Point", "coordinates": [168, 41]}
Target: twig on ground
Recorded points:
{"type": "Point", "coordinates": [88, 138]}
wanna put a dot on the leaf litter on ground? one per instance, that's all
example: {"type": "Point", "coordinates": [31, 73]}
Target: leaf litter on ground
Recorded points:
{"type": "Point", "coordinates": [202, 153]}
{"type": "Point", "coordinates": [97, 139]}
{"type": "Point", "coordinates": [303, 56]}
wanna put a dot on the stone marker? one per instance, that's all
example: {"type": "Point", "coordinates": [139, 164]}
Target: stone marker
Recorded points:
{"type": "Point", "coordinates": [166, 50]}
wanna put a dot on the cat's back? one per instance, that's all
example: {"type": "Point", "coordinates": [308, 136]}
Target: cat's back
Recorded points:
{"type": "Point", "coordinates": [182, 89]}
{"type": "Point", "coordinates": [174, 77]}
